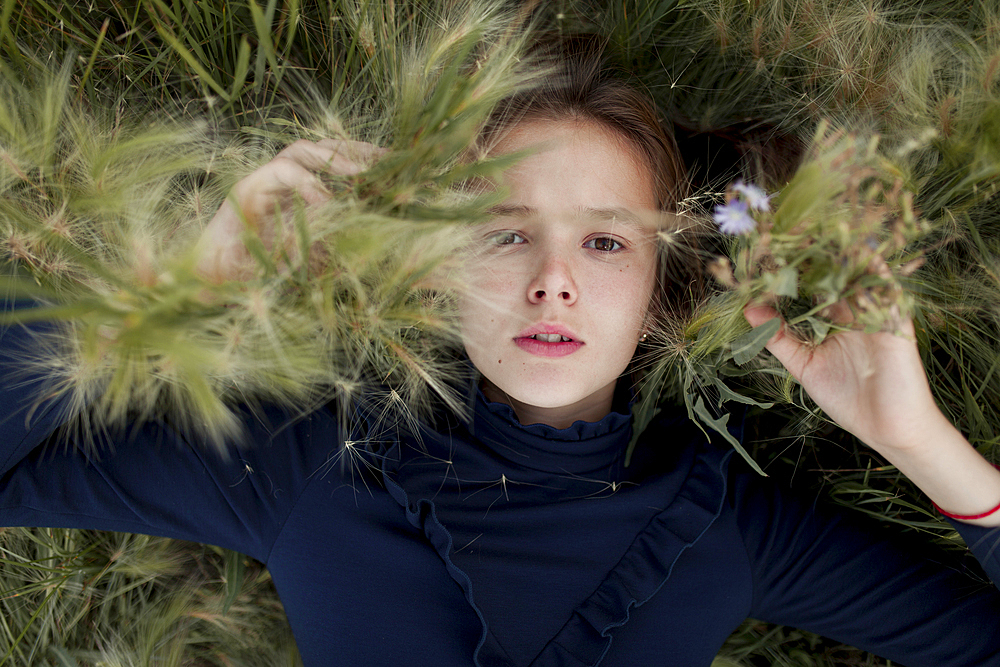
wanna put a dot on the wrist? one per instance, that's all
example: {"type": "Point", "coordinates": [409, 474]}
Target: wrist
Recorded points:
{"type": "Point", "coordinates": [932, 429]}
{"type": "Point", "coordinates": [949, 470]}
{"type": "Point", "coordinates": [970, 518]}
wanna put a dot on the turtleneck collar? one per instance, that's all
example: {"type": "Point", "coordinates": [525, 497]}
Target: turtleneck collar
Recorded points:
{"type": "Point", "coordinates": [582, 447]}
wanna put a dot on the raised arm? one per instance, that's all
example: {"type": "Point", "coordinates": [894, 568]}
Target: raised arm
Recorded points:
{"type": "Point", "coordinates": [155, 478]}
{"type": "Point", "coordinates": [874, 386]}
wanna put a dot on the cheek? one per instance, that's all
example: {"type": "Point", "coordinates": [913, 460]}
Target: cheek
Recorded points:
{"type": "Point", "coordinates": [486, 301]}
{"type": "Point", "coordinates": [626, 292]}
{"type": "Point", "coordinates": [646, 281]}
{"type": "Point", "coordinates": [494, 279]}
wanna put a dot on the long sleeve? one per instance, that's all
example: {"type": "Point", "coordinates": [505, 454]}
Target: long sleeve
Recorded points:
{"type": "Point", "coordinates": [26, 416]}
{"type": "Point", "coordinates": [984, 543]}
{"type": "Point", "coordinates": [151, 480]}
{"type": "Point", "coordinates": [827, 573]}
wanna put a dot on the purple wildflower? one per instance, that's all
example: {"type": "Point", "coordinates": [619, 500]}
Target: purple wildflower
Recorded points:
{"type": "Point", "coordinates": [733, 218]}
{"type": "Point", "coordinates": [755, 197]}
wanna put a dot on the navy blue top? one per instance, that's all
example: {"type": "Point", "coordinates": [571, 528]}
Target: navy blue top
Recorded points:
{"type": "Point", "coordinates": [493, 543]}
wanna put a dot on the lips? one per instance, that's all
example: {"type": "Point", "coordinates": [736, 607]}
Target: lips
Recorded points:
{"type": "Point", "coordinates": [548, 340]}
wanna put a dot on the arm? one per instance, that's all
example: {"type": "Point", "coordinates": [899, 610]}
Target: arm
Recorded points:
{"type": "Point", "coordinates": [27, 416]}
{"type": "Point", "coordinates": [153, 480]}
{"type": "Point", "coordinates": [840, 576]}
{"type": "Point", "coordinates": [874, 386]}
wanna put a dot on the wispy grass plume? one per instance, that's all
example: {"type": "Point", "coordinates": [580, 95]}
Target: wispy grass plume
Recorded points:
{"type": "Point", "coordinates": [102, 213]}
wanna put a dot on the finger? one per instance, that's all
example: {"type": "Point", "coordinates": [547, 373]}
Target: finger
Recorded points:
{"type": "Point", "coordinates": [342, 157]}
{"type": "Point", "coordinates": [294, 177]}
{"type": "Point", "coordinates": [840, 312]}
{"type": "Point", "coordinates": [313, 192]}
{"type": "Point", "coordinates": [351, 157]}
{"type": "Point", "coordinates": [273, 183]}
{"type": "Point", "coordinates": [359, 151]}
{"type": "Point", "coordinates": [317, 158]}
{"type": "Point", "coordinates": [792, 354]}
{"type": "Point", "coordinates": [758, 313]}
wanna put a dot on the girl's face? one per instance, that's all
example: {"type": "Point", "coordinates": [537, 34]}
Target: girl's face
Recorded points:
{"type": "Point", "coordinates": [559, 293]}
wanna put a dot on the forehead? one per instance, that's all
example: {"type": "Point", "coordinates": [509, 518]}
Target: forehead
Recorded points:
{"type": "Point", "coordinates": [578, 163]}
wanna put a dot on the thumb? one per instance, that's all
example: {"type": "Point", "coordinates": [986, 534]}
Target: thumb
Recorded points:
{"type": "Point", "coordinates": [758, 313]}
{"type": "Point", "coordinates": [785, 349]}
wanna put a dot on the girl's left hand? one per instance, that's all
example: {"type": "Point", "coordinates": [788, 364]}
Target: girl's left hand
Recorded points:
{"type": "Point", "coordinates": [874, 385]}
{"type": "Point", "coordinates": [871, 384]}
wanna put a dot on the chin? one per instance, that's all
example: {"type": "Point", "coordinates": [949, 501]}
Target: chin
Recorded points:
{"type": "Point", "coordinates": [553, 399]}
{"type": "Point", "coordinates": [538, 389]}
{"type": "Point", "coordinates": [547, 391]}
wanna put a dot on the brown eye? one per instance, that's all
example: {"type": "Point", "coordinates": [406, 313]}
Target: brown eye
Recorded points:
{"type": "Point", "coordinates": [506, 238]}
{"type": "Point", "coordinates": [604, 244]}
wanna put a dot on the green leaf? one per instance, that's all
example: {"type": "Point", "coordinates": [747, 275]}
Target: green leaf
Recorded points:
{"type": "Point", "coordinates": [820, 328]}
{"type": "Point", "coordinates": [749, 345]}
{"type": "Point", "coordinates": [783, 283]}
{"type": "Point", "coordinates": [646, 408]}
{"type": "Point", "coordinates": [12, 50]}
{"type": "Point", "coordinates": [175, 43]}
{"type": "Point", "coordinates": [72, 311]}
{"type": "Point", "coordinates": [727, 394]}
{"type": "Point", "coordinates": [265, 49]}
{"type": "Point", "coordinates": [798, 198]}
{"type": "Point", "coordinates": [62, 656]}
{"type": "Point", "coordinates": [719, 425]}
{"type": "Point", "coordinates": [93, 55]}
{"type": "Point", "coordinates": [235, 570]}
{"type": "Point", "coordinates": [242, 68]}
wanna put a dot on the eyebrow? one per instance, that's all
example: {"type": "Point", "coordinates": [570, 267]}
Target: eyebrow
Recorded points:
{"type": "Point", "coordinates": [617, 215]}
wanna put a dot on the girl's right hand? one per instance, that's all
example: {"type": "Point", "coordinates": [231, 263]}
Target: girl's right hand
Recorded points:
{"type": "Point", "coordinates": [258, 202]}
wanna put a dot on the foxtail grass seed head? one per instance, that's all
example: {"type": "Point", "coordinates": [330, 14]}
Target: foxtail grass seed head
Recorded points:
{"type": "Point", "coordinates": [103, 213]}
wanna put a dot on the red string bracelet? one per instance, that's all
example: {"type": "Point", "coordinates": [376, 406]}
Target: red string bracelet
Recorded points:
{"type": "Point", "coordinates": [968, 517]}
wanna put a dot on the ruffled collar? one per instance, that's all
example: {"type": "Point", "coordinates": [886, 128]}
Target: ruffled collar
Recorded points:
{"type": "Point", "coordinates": [577, 449]}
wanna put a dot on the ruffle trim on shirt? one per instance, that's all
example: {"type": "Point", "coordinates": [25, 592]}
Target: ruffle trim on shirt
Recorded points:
{"type": "Point", "coordinates": [421, 514]}
{"type": "Point", "coordinates": [578, 430]}
{"type": "Point", "coordinates": [644, 568]}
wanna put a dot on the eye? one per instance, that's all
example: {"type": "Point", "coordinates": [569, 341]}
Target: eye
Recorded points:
{"type": "Point", "coordinates": [505, 237]}
{"type": "Point", "coordinates": [604, 244]}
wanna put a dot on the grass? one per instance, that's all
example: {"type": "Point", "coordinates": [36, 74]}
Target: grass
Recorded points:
{"type": "Point", "coordinates": [124, 123]}
{"type": "Point", "coordinates": [90, 598]}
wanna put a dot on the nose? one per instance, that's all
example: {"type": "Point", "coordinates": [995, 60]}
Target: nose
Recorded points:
{"type": "Point", "coordinates": [553, 282]}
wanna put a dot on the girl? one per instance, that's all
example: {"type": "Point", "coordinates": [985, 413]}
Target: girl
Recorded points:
{"type": "Point", "coordinates": [517, 536]}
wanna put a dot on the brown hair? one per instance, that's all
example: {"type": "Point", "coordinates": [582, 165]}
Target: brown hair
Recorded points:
{"type": "Point", "coordinates": [589, 88]}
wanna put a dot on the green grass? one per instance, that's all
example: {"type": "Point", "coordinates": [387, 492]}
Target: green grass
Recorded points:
{"type": "Point", "coordinates": [90, 598]}
{"type": "Point", "coordinates": [123, 124]}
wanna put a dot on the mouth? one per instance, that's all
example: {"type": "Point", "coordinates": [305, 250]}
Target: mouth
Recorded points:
{"type": "Point", "coordinates": [549, 332]}
{"type": "Point", "coordinates": [547, 340]}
